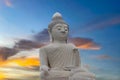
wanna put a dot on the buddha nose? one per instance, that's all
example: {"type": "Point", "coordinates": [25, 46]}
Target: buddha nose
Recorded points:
{"type": "Point", "coordinates": [62, 30]}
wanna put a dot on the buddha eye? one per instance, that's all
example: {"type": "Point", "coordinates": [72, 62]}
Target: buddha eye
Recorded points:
{"type": "Point", "coordinates": [59, 28]}
{"type": "Point", "coordinates": [66, 29]}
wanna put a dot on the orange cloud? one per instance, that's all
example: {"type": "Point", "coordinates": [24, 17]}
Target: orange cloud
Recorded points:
{"type": "Point", "coordinates": [17, 68]}
{"type": "Point", "coordinates": [8, 3]}
{"type": "Point", "coordinates": [23, 62]}
{"type": "Point", "coordinates": [85, 43]}
{"type": "Point", "coordinates": [2, 76]}
{"type": "Point", "coordinates": [90, 46]}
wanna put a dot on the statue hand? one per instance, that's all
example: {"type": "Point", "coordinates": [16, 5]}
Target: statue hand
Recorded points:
{"type": "Point", "coordinates": [77, 70]}
{"type": "Point", "coordinates": [43, 72]}
{"type": "Point", "coordinates": [85, 74]}
{"type": "Point", "coordinates": [45, 69]}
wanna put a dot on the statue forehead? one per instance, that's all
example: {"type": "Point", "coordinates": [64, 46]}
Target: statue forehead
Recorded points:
{"type": "Point", "coordinates": [60, 24]}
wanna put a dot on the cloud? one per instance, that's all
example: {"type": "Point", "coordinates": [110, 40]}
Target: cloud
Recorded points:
{"type": "Point", "coordinates": [21, 45]}
{"type": "Point", "coordinates": [85, 43]}
{"type": "Point", "coordinates": [87, 66]}
{"type": "Point", "coordinates": [8, 3]}
{"type": "Point", "coordinates": [42, 38]}
{"type": "Point", "coordinates": [7, 52]}
{"type": "Point", "coordinates": [27, 53]}
{"type": "Point", "coordinates": [104, 57]}
{"type": "Point", "coordinates": [101, 22]}
{"type": "Point", "coordinates": [101, 57]}
{"type": "Point", "coordinates": [24, 44]}
{"type": "Point", "coordinates": [6, 41]}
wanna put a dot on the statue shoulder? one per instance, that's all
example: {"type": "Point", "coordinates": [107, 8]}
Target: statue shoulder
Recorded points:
{"type": "Point", "coordinates": [71, 44]}
{"type": "Point", "coordinates": [43, 50]}
{"type": "Point", "coordinates": [73, 47]}
{"type": "Point", "coordinates": [45, 47]}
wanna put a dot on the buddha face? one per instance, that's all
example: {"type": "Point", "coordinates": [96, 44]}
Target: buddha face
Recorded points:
{"type": "Point", "coordinates": [60, 31]}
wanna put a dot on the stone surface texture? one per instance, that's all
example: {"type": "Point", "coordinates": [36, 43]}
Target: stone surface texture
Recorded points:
{"type": "Point", "coordinates": [59, 59]}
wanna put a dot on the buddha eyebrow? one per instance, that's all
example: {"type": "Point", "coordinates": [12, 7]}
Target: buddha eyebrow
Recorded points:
{"type": "Point", "coordinates": [65, 26]}
{"type": "Point", "coordinates": [58, 25]}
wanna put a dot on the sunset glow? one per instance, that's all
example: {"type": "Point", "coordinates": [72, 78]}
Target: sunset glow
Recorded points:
{"type": "Point", "coordinates": [2, 76]}
{"type": "Point", "coordinates": [94, 28]}
{"type": "Point", "coordinates": [7, 68]}
{"type": "Point", "coordinates": [23, 62]}
{"type": "Point", "coordinates": [89, 46]}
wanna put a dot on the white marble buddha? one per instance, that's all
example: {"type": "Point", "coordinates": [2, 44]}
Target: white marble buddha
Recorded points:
{"type": "Point", "coordinates": [60, 60]}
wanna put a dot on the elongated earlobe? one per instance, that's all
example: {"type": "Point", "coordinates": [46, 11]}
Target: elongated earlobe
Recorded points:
{"type": "Point", "coordinates": [50, 34]}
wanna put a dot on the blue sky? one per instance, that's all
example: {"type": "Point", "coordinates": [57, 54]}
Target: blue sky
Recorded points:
{"type": "Point", "coordinates": [95, 19]}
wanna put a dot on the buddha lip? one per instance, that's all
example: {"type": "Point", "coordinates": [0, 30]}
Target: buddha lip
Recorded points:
{"type": "Point", "coordinates": [63, 32]}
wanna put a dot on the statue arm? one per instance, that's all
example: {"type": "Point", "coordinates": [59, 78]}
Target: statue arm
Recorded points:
{"type": "Point", "coordinates": [78, 61]}
{"type": "Point", "coordinates": [43, 60]}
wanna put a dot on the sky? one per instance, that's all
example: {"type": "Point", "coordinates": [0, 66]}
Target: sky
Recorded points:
{"type": "Point", "coordinates": [94, 26]}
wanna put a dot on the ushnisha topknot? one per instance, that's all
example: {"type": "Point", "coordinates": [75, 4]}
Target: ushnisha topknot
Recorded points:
{"type": "Point", "coordinates": [57, 18]}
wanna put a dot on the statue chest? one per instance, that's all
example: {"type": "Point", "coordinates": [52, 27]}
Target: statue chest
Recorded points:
{"type": "Point", "coordinates": [60, 50]}
{"type": "Point", "coordinates": [61, 55]}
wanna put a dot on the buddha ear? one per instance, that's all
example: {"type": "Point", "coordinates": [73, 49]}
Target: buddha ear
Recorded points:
{"type": "Point", "coordinates": [51, 38]}
{"type": "Point", "coordinates": [49, 30]}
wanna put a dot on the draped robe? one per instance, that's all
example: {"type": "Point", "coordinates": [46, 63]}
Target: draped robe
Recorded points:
{"type": "Point", "coordinates": [63, 61]}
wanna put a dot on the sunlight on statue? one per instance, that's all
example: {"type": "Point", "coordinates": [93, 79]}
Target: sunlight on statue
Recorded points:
{"type": "Point", "coordinates": [60, 60]}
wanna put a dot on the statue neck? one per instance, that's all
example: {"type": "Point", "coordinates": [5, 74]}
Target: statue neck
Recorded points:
{"type": "Point", "coordinates": [60, 41]}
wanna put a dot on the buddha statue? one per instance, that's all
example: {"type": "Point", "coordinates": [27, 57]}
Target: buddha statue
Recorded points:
{"type": "Point", "coordinates": [59, 59]}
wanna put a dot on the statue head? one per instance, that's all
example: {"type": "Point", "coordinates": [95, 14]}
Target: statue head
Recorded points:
{"type": "Point", "coordinates": [58, 29]}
